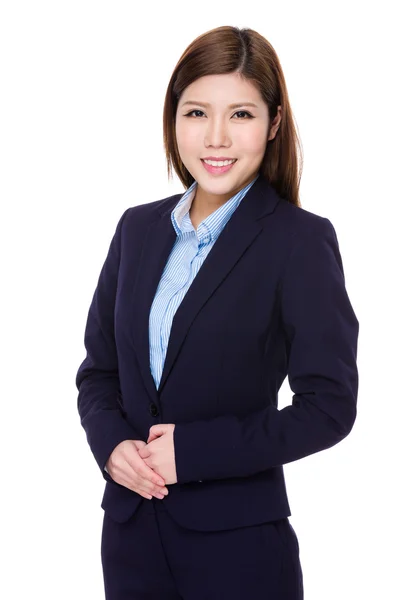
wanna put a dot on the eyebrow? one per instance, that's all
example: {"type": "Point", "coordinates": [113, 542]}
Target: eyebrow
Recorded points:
{"type": "Point", "coordinates": [237, 105]}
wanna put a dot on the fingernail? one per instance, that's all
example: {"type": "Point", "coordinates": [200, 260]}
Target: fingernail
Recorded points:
{"type": "Point", "coordinates": [161, 482]}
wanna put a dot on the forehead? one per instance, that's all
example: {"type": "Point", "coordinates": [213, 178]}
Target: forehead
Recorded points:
{"type": "Point", "coordinates": [228, 89]}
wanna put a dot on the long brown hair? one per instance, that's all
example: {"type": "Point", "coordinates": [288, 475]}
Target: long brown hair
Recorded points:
{"type": "Point", "coordinates": [232, 50]}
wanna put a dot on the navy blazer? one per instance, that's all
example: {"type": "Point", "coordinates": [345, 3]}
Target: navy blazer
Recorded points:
{"type": "Point", "coordinates": [269, 301]}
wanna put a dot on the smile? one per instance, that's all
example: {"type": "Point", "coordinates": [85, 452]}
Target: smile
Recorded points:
{"type": "Point", "coordinates": [219, 167]}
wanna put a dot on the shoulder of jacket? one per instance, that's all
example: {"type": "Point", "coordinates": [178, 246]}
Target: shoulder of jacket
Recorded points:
{"type": "Point", "coordinates": [301, 223]}
{"type": "Point", "coordinates": [150, 210]}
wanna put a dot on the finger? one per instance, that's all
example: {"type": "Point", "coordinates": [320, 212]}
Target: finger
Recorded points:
{"type": "Point", "coordinates": [138, 483]}
{"type": "Point", "coordinates": [144, 452]}
{"type": "Point", "coordinates": [124, 473]}
{"type": "Point", "coordinates": [138, 444]}
{"type": "Point", "coordinates": [140, 468]}
{"type": "Point", "coordinates": [154, 435]}
{"type": "Point", "coordinates": [144, 494]}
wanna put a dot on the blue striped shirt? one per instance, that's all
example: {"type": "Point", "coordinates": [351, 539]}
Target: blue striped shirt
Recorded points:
{"type": "Point", "coordinates": [188, 253]}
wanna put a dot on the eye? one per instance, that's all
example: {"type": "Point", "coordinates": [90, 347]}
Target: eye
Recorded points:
{"type": "Point", "coordinates": [193, 111]}
{"type": "Point", "coordinates": [238, 112]}
{"type": "Point", "coordinates": [244, 112]}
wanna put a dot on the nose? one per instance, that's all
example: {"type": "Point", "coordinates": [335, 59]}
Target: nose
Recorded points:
{"type": "Point", "coordinates": [216, 133]}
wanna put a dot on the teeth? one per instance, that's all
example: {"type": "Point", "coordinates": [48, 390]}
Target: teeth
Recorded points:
{"type": "Point", "coordinates": [219, 163]}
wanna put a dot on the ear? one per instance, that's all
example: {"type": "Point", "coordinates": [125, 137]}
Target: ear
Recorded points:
{"type": "Point", "coordinates": [274, 125]}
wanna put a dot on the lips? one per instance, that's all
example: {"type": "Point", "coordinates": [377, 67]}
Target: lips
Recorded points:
{"type": "Point", "coordinates": [217, 158]}
{"type": "Point", "coordinates": [217, 170]}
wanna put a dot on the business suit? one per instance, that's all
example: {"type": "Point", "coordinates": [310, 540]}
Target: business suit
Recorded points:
{"type": "Point", "coordinates": [269, 301]}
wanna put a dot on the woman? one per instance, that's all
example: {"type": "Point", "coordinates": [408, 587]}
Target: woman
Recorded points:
{"type": "Point", "coordinates": [207, 300]}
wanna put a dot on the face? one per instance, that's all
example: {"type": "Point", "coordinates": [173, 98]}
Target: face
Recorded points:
{"type": "Point", "coordinates": [208, 126]}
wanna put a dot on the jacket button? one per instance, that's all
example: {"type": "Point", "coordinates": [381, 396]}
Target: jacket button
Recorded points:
{"type": "Point", "coordinates": [154, 411]}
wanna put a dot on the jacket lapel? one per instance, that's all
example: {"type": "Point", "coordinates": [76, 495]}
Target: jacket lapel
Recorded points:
{"type": "Point", "coordinates": [238, 234]}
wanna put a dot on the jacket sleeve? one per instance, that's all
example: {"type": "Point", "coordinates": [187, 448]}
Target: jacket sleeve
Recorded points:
{"type": "Point", "coordinates": [321, 335]}
{"type": "Point", "coordinates": [97, 378]}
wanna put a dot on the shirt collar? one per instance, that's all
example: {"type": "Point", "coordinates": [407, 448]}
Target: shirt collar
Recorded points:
{"type": "Point", "coordinates": [212, 225]}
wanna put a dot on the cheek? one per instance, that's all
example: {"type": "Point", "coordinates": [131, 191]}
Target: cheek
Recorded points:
{"type": "Point", "coordinates": [187, 138]}
{"type": "Point", "coordinates": [252, 141]}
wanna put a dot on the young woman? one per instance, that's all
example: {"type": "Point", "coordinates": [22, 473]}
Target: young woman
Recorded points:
{"type": "Point", "coordinates": [206, 301]}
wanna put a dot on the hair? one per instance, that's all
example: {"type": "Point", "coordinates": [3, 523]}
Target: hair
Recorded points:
{"type": "Point", "coordinates": [244, 51]}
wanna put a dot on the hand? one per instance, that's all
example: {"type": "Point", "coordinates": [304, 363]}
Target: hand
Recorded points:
{"type": "Point", "coordinates": [159, 453]}
{"type": "Point", "coordinates": [127, 468]}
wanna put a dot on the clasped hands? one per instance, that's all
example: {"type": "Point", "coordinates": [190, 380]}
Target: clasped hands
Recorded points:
{"type": "Point", "coordinates": [159, 452]}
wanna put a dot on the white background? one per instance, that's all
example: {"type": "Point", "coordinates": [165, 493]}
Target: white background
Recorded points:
{"type": "Point", "coordinates": [82, 92]}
